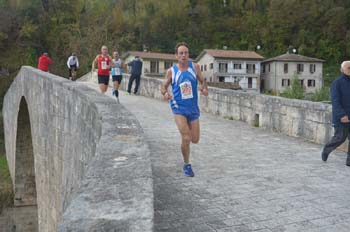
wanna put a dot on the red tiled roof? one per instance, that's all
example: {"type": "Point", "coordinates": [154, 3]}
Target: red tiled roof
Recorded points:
{"type": "Point", "coordinates": [232, 54]}
{"type": "Point", "coordinates": [151, 55]}
{"type": "Point", "coordinates": [293, 58]}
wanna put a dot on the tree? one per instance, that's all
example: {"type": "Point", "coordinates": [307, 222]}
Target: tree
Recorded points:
{"type": "Point", "coordinates": [295, 91]}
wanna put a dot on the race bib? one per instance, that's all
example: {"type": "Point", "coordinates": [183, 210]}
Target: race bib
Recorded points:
{"type": "Point", "coordinates": [104, 65]}
{"type": "Point", "coordinates": [117, 71]}
{"type": "Point", "coordinates": [186, 90]}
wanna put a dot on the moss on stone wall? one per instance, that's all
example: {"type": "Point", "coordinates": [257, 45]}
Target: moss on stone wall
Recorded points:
{"type": "Point", "coordinates": [6, 189]}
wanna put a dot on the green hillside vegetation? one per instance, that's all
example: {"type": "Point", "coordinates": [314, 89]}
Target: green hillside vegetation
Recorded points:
{"type": "Point", "coordinates": [6, 189]}
{"type": "Point", "coordinates": [318, 28]}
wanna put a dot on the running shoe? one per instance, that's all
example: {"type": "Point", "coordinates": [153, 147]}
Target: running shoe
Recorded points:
{"type": "Point", "coordinates": [188, 170]}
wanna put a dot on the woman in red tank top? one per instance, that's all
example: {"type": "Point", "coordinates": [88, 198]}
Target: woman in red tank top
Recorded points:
{"type": "Point", "coordinates": [103, 66]}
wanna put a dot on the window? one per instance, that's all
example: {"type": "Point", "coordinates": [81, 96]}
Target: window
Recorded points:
{"type": "Point", "coordinates": [263, 68]}
{"type": "Point", "coordinates": [302, 83]}
{"type": "Point", "coordinates": [237, 66]}
{"type": "Point", "coordinates": [311, 83]}
{"type": "Point", "coordinates": [285, 82]}
{"type": "Point", "coordinates": [300, 68]}
{"type": "Point", "coordinates": [202, 68]}
{"type": "Point", "coordinates": [223, 67]}
{"type": "Point", "coordinates": [211, 66]}
{"type": "Point", "coordinates": [154, 67]}
{"type": "Point", "coordinates": [269, 68]}
{"type": "Point", "coordinates": [205, 67]}
{"type": "Point", "coordinates": [221, 79]}
{"type": "Point", "coordinates": [167, 65]}
{"type": "Point", "coordinates": [250, 82]}
{"type": "Point", "coordinates": [312, 68]}
{"type": "Point", "coordinates": [285, 68]}
{"type": "Point", "coordinates": [250, 68]}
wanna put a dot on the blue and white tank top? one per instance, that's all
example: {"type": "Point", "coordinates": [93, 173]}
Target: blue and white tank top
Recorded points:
{"type": "Point", "coordinates": [184, 87]}
{"type": "Point", "coordinates": [117, 70]}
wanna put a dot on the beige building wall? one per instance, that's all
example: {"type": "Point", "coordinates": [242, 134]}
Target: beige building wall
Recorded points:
{"type": "Point", "coordinates": [208, 73]}
{"type": "Point", "coordinates": [146, 65]}
{"type": "Point", "coordinates": [245, 80]}
{"type": "Point", "coordinates": [273, 78]}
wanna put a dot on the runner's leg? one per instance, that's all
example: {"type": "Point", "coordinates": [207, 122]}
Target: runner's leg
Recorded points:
{"type": "Point", "coordinates": [195, 130]}
{"type": "Point", "coordinates": [185, 132]}
{"type": "Point", "coordinates": [116, 87]}
{"type": "Point", "coordinates": [70, 73]}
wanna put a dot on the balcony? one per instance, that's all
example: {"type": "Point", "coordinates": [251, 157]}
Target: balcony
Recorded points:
{"type": "Point", "coordinates": [223, 70]}
{"type": "Point", "coordinates": [251, 71]}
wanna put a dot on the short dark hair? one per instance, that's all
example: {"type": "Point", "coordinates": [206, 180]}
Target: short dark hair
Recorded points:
{"type": "Point", "coordinates": [181, 44]}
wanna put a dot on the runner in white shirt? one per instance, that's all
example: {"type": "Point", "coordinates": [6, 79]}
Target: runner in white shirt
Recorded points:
{"type": "Point", "coordinates": [117, 72]}
{"type": "Point", "coordinates": [72, 63]}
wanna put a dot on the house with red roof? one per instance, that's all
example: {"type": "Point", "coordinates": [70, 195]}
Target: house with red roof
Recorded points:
{"type": "Point", "coordinates": [240, 67]}
{"type": "Point", "coordinates": [277, 72]}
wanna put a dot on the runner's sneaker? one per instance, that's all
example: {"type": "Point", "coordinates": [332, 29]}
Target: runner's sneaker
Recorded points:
{"type": "Point", "coordinates": [188, 170]}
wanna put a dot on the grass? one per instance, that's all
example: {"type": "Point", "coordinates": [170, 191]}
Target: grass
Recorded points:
{"type": "Point", "coordinates": [6, 189]}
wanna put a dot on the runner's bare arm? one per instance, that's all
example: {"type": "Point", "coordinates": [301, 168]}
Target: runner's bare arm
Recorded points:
{"type": "Point", "coordinates": [204, 89]}
{"type": "Point", "coordinates": [111, 63]}
{"type": "Point", "coordinates": [165, 85]}
{"type": "Point", "coordinates": [93, 64]}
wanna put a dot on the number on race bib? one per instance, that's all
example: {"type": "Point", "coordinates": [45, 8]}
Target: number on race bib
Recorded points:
{"type": "Point", "coordinates": [104, 64]}
{"type": "Point", "coordinates": [186, 90]}
{"type": "Point", "coordinates": [117, 71]}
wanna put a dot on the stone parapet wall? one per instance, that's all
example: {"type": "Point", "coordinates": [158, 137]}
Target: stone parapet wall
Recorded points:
{"type": "Point", "coordinates": [92, 165]}
{"type": "Point", "coordinates": [297, 118]}
{"type": "Point", "coordinates": [309, 120]}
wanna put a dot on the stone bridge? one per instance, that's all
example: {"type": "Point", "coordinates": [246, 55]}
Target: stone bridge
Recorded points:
{"type": "Point", "coordinates": [77, 155]}
{"type": "Point", "coordinates": [91, 164]}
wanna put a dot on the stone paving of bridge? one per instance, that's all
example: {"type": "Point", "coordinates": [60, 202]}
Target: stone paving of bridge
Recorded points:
{"type": "Point", "coordinates": [247, 179]}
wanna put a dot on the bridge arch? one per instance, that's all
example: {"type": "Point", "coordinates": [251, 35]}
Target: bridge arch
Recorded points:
{"type": "Point", "coordinates": [25, 194]}
{"type": "Point", "coordinates": [24, 184]}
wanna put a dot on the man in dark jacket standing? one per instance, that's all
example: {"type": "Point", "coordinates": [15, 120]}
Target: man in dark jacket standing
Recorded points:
{"type": "Point", "coordinates": [340, 93]}
{"type": "Point", "coordinates": [136, 70]}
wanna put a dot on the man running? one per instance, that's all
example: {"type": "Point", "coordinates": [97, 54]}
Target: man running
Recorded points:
{"type": "Point", "coordinates": [44, 62]}
{"type": "Point", "coordinates": [183, 78]}
{"type": "Point", "coordinates": [104, 64]}
{"type": "Point", "coordinates": [117, 73]}
{"type": "Point", "coordinates": [73, 64]}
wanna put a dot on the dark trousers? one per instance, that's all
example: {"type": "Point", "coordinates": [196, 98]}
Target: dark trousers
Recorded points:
{"type": "Point", "coordinates": [339, 137]}
{"type": "Point", "coordinates": [131, 80]}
